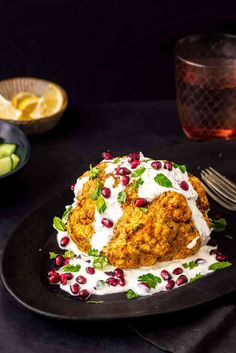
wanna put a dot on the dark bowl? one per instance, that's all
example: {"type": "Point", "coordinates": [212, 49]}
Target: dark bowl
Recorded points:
{"type": "Point", "coordinates": [12, 134]}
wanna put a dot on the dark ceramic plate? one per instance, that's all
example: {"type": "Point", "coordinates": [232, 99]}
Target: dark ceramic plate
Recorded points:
{"type": "Point", "coordinates": [25, 264]}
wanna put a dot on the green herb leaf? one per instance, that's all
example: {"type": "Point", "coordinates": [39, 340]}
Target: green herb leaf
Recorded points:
{"type": "Point", "coordinates": [162, 180]}
{"type": "Point", "coordinates": [146, 160]}
{"type": "Point", "coordinates": [196, 277]}
{"type": "Point", "coordinates": [71, 268]}
{"type": "Point", "coordinates": [229, 237]}
{"type": "Point", "coordinates": [58, 224]}
{"type": "Point", "coordinates": [94, 301]}
{"type": "Point", "coordinates": [94, 195]}
{"type": "Point", "coordinates": [121, 197]}
{"type": "Point", "coordinates": [138, 172]}
{"type": "Point", "coordinates": [94, 171]}
{"type": "Point", "coordinates": [219, 265]}
{"type": "Point", "coordinates": [101, 204]}
{"type": "Point", "coordinates": [137, 183]}
{"type": "Point", "coordinates": [182, 167]}
{"type": "Point", "coordinates": [93, 252]}
{"type": "Point", "coordinates": [68, 254]}
{"type": "Point", "coordinates": [100, 262]}
{"type": "Point", "coordinates": [143, 209]}
{"type": "Point", "coordinates": [150, 279]}
{"type": "Point", "coordinates": [66, 214]}
{"type": "Point", "coordinates": [52, 255]}
{"type": "Point", "coordinates": [130, 294]}
{"type": "Point", "coordinates": [190, 265]}
{"type": "Point", "coordinates": [117, 160]}
{"type": "Point", "coordinates": [218, 225]}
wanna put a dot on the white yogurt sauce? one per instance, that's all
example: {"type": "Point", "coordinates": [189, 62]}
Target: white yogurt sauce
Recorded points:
{"type": "Point", "coordinates": [102, 235]}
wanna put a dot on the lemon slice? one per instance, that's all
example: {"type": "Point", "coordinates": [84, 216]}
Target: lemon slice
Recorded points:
{"type": "Point", "coordinates": [27, 105]}
{"type": "Point", "coordinates": [21, 96]}
{"type": "Point", "coordinates": [7, 111]}
{"type": "Point", "coordinates": [50, 103]}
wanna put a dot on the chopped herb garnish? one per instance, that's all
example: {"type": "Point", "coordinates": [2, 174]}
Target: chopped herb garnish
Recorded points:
{"type": "Point", "coordinates": [68, 254]}
{"type": "Point", "coordinates": [121, 197]}
{"type": "Point", "coordinates": [146, 160]}
{"type": "Point", "coordinates": [190, 265]}
{"type": "Point", "coordinates": [162, 180]}
{"type": "Point", "coordinates": [93, 252]}
{"type": "Point", "coordinates": [196, 277]}
{"type": "Point", "coordinates": [94, 195]}
{"type": "Point", "coordinates": [71, 268]}
{"type": "Point", "coordinates": [52, 255]}
{"type": "Point", "coordinates": [138, 172]}
{"type": "Point", "coordinates": [58, 224]}
{"type": "Point", "coordinates": [94, 301]}
{"type": "Point", "coordinates": [66, 214]}
{"type": "Point", "coordinates": [218, 225]}
{"type": "Point", "coordinates": [101, 204]}
{"type": "Point", "coordinates": [130, 294]}
{"type": "Point", "coordinates": [117, 160]}
{"type": "Point", "coordinates": [137, 183]}
{"type": "Point", "coordinates": [100, 262]}
{"type": "Point", "coordinates": [182, 167]}
{"type": "Point", "coordinates": [219, 265]}
{"type": "Point", "coordinates": [143, 209]}
{"type": "Point", "coordinates": [150, 279]}
{"type": "Point", "coordinates": [94, 171]}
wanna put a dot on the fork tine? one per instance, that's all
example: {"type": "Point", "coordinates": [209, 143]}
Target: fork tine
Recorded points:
{"type": "Point", "coordinates": [222, 177]}
{"type": "Point", "coordinates": [219, 187]}
{"type": "Point", "coordinates": [218, 200]}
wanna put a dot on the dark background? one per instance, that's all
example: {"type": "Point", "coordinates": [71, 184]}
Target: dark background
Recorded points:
{"type": "Point", "coordinates": [104, 50]}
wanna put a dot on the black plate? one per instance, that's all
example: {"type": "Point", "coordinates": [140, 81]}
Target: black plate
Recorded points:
{"type": "Point", "coordinates": [25, 264]}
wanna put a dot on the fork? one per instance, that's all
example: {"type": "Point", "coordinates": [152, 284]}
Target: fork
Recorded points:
{"type": "Point", "coordinates": [221, 189]}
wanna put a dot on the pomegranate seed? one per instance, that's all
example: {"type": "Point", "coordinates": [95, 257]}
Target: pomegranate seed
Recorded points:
{"type": "Point", "coordinates": [168, 165]}
{"type": "Point", "coordinates": [90, 270]}
{"type": "Point", "coordinates": [112, 281]}
{"type": "Point", "coordinates": [140, 202]}
{"type": "Point", "coordinates": [125, 180]}
{"type": "Point", "coordinates": [200, 261]}
{"type": "Point", "coordinates": [135, 164]}
{"type": "Point", "coordinates": [165, 275]}
{"type": "Point", "coordinates": [109, 273]}
{"type": "Point", "coordinates": [54, 278]}
{"type": "Point", "coordinates": [51, 273]}
{"type": "Point", "coordinates": [63, 279]}
{"type": "Point", "coordinates": [133, 156]}
{"type": "Point", "coordinates": [107, 155]}
{"type": "Point", "coordinates": [221, 258]}
{"type": "Point", "coordinates": [144, 286]}
{"type": "Point", "coordinates": [212, 242]}
{"type": "Point", "coordinates": [106, 192]}
{"type": "Point", "coordinates": [81, 279]}
{"type": "Point", "coordinates": [74, 288]}
{"type": "Point", "coordinates": [178, 271]}
{"type": "Point", "coordinates": [107, 222]}
{"type": "Point", "coordinates": [121, 281]}
{"type": "Point", "coordinates": [59, 260]}
{"type": "Point", "coordinates": [181, 280]}
{"type": "Point", "coordinates": [156, 165]}
{"type": "Point", "coordinates": [170, 284]}
{"type": "Point", "coordinates": [84, 294]}
{"type": "Point", "coordinates": [69, 275]}
{"type": "Point", "coordinates": [72, 187]}
{"type": "Point", "coordinates": [67, 261]}
{"type": "Point", "coordinates": [184, 185]}
{"type": "Point", "coordinates": [214, 252]}
{"type": "Point", "coordinates": [118, 272]}
{"type": "Point", "coordinates": [64, 241]}
{"type": "Point", "coordinates": [124, 171]}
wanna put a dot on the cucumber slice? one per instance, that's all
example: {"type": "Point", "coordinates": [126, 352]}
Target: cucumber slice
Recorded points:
{"type": "Point", "coordinates": [15, 160]}
{"type": "Point", "coordinates": [5, 165]}
{"type": "Point", "coordinates": [6, 149]}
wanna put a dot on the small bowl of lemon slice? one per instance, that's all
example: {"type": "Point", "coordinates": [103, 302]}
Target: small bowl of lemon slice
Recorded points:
{"type": "Point", "coordinates": [35, 105]}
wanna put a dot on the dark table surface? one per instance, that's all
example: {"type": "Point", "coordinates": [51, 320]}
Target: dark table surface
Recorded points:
{"type": "Point", "coordinates": [57, 158]}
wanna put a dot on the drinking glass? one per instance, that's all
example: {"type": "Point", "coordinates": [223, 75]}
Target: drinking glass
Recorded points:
{"type": "Point", "coordinates": [206, 85]}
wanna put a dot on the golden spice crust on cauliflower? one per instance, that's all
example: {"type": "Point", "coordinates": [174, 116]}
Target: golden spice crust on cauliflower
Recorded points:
{"type": "Point", "coordinates": [139, 238]}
